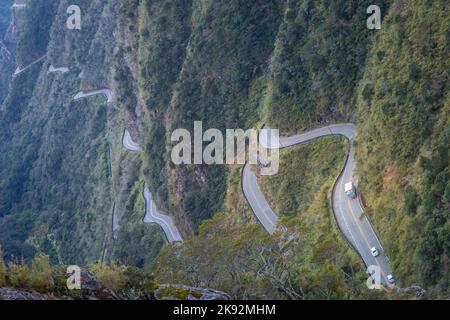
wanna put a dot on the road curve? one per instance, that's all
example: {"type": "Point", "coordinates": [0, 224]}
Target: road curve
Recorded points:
{"type": "Point", "coordinates": [128, 142]}
{"type": "Point", "coordinates": [20, 70]}
{"type": "Point", "coordinates": [107, 92]}
{"type": "Point", "coordinates": [153, 215]}
{"type": "Point", "coordinates": [257, 201]}
{"type": "Point", "coordinates": [52, 69]}
{"type": "Point", "coordinates": [18, 5]}
{"type": "Point", "coordinates": [349, 213]}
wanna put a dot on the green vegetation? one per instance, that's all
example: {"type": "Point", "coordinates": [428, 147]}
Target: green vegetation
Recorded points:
{"type": "Point", "coordinates": [208, 67]}
{"type": "Point", "coordinates": [111, 277]}
{"type": "Point", "coordinates": [404, 135]}
{"type": "Point", "coordinates": [2, 269]}
{"type": "Point", "coordinates": [160, 60]}
{"type": "Point", "coordinates": [227, 53]}
{"type": "Point", "coordinates": [137, 244]}
{"type": "Point", "coordinates": [319, 56]}
{"type": "Point", "coordinates": [5, 16]}
{"type": "Point", "coordinates": [292, 64]}
{"type": "Point", "coordinates": [303, 171]}
{"type": "Point", "coordinates": [179, 293]}
{"type": "Point", "coordinates": [38, 277]}
{"type": "Point", "coordinates": [123, 281]}
{"type": "Point", "coordinates": [56, 191]}
{"type": "Point", "coordinates": [35, 36]}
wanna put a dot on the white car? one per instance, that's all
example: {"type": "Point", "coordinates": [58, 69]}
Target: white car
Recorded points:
{"type": "Point", "coordinates": [390, 278]}
{"type": "Point", "coordinates": [374, 251]}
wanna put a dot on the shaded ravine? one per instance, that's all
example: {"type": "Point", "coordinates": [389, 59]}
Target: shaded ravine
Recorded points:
{"type": "Point", "coordinates": [355, 227]}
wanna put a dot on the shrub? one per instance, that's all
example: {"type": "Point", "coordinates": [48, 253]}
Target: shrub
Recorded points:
{"type": "Point", "coordinates": [111, 277]}
{"type": "Point", "coordinates": [410, 199]}
{"type": "Point", "coordinates": [19, 275]}
{"type": "Point", "coordinates": [41, 274]}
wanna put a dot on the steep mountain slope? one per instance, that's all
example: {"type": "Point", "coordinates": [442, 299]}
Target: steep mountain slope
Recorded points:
{"type": "Point", "coordinates": [403, 112]}
{"type": "Point", "coordinates": [5, 8]}
{"type": "Point", "coordinates": [6, 49]}
{"type": "Point", "coordinates": [55, 140]}
{"type": "Point", "coordinates": [65, 176]}
{"type": "Point", "coordinates": [319, 57]}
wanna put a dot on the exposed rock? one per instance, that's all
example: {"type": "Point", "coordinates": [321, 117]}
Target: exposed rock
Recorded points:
{"type": "Point", "coordinates": [91, 288]}
{"type": "Point", "coordinates": [416, 290]}
{"type": "Point", "coordinates": [182, 292]}
{"type": "Point", "coordinates": [15, 294]}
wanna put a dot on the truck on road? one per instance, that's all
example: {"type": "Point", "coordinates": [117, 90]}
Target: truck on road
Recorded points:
{"type": "Point", "coordinates": [350, 190]}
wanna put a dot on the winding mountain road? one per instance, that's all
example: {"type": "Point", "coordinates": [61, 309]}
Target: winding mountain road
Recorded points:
{"type": "Point", "coordinates": [348, 212]}
{"type": "Point", "coordinates": [153, 215]}
{"type": "Point", "coordinates": [107, 92]}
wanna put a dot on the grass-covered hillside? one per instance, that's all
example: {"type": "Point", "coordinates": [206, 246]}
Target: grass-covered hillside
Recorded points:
{"type": "Point", "coordinates": [303, 171]}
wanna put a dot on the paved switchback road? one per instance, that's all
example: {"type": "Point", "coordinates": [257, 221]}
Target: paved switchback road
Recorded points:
{"type": "Point", "coordinates": [153, 215]}
{"type": "Point", "coordinates": [348, 212]}
{"type": "Point", "coordinates": [128, 142]}
{"type": "Point", "coordinates": [106, 92]}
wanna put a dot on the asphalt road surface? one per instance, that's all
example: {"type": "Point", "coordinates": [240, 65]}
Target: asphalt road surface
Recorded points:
{"type": "Point", "coordinates": [128, 142]}
{"type": "Point", "coordinates": [153, 215]}
{"type": "Point", "coordinates": [349, 213]}
{"type": "Point", "coordinates": [19, 5]}
{"type": "Point", "coordinates": [107, 92]}
{"type": "Point", "coordinates": [52, 69]}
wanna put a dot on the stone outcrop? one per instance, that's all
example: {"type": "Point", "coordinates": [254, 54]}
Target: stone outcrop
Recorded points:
{"type": "Point", "coordinates": [414, 289]}
{"type": "Point", "coordinates": [182, 292]}
{"type": "Point", "coordinates": [15, 294]}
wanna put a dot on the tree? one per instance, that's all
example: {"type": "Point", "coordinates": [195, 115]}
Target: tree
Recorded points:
{"type": "Point", "coordinates": [410, 199]}
{"type": "Point", "coordinates": [111, 277]}
{"type": "Point", "coordinates": [41, 273]}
